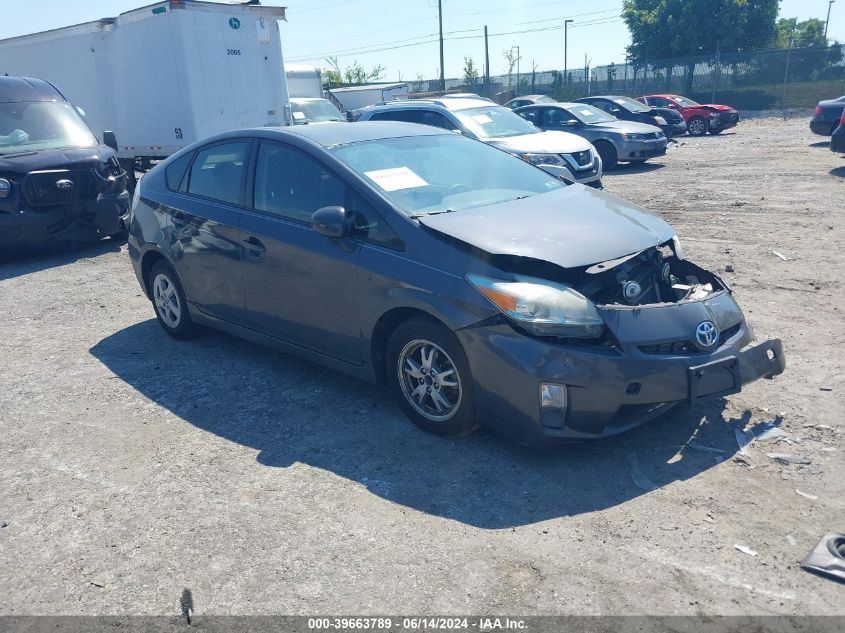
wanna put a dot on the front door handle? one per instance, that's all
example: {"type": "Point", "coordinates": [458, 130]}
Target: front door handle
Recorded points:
{"type": "Point", "coordinates": [254, 249]}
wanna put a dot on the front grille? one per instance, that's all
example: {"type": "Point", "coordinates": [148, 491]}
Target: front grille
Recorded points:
{"type": "Point", "coordinates": [686, 347]}
{"type": "Point", "coordinates": [40, 188]}
{"type": "Point", "coordinates": [654, 135]}
{"type": "Point", "coordinates": [583, 159]}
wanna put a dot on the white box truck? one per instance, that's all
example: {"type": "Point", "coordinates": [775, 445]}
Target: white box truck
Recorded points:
{"type": "Point", "coordinates": [356, 97]}
{"type": "Point", "coordinates": [165, 75]}
{"type": "Point", "coordinates": [304, 81]}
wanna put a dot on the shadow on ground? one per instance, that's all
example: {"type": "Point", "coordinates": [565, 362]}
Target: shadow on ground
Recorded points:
{"type": "Point", "coordinates": [292, 411]}
{"type": "Point", "coordinates": [838, 171]}
{"type": "Point", "coordinates": [820, 144]}
{"type": "Point", "coordinates": [24, 262]}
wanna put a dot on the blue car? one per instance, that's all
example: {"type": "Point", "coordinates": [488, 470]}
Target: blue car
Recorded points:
{"type": "Point", "coordinates": [478, 287]}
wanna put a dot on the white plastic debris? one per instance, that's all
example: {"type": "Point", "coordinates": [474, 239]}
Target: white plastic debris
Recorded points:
{"type": "Point", "coordinates": [786, 458]}
{"type": "Point", "coordinates": [743, 440]}
{"type": "Point", "coordinates": [773, 433]}
{"type": "Point", "coordinates": [791, 539]}
{"type": "Point", "coordinates": [746, 550]}
{"type": "Point", "coordinates": [808, 496]}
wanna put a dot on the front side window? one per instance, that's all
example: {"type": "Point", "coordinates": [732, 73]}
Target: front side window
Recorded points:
{"type": "Point", "coordinates": [436, 119]}
{"type": "Point", "coordinates": [217, 172]}
{"type": "Point", "coordinates": [292, 185]}
{"type": "Point", "coordinates": [38, 126]}
{"type": "Point", "coordinates": [494, 122]}
{"type": "Point", "coordinates": [443, 172]}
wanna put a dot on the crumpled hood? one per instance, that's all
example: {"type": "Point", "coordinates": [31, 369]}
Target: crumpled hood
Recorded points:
{"type": "Point", "coordinates": [542, 143]}
{"type": "Point", "coordinates": [571, 227]}
{"type": "Point", "coordinates": [718, 106]}
{"type": "Point", "coordinates": [627, 127]}
{"type": "Point", "coordinates": [50, 159]}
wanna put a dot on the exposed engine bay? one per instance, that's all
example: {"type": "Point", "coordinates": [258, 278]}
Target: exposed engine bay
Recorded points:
{"type": "Point", "coordinates": [652, 276]}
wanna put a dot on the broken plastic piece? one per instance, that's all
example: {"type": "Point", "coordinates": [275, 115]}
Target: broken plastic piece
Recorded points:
{"type": "Point", "coordinates": [743, 440]}
{"type": "Point", "coordinates": [808, 496]}
{"type": "Point", "coordinates": [772, 433]}
{"type": "Point", "coordinates": [637, 476]}
{"type": "Point", "coordinates": [746, 550]}
{"type": "Point", "coordinates": [828, 557]}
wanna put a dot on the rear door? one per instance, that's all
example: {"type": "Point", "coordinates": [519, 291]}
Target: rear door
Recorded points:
{"type": "Point", "coordinates": [204, 239]}
{"type": "Point", "coordinates": [300, 287]}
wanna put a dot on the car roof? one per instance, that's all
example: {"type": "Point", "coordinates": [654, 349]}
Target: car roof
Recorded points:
{"type": "Point", "coordinates": [331, 134]}
{"type": "Point", "coordinates": [450, 103]}
{"type": "Point", "coordinates": [27, 89]}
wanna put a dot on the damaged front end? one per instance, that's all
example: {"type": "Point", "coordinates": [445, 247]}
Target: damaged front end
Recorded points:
{"type": "Point", "coordinates": [622, 340]}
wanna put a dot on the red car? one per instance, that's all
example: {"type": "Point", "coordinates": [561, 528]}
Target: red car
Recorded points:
{"type": "Point", "coordinates": [700, 118]}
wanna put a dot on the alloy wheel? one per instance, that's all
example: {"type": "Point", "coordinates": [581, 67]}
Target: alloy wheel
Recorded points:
{"type": "Point", "coordinates": [429, 380]}
{"type": "Point", "coordinates": [166, 300]}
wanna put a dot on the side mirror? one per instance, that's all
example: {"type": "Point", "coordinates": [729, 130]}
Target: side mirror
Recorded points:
{"type": "Point", "coordinates": [573, 123]}
{"type": "Point", "coordinates": [110, 140]}
{"type": "Point", "coordinates": [330, 221]}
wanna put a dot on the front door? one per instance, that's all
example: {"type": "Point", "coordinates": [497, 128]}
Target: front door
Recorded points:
{"type": "Point", "coordinates": [300, 287]}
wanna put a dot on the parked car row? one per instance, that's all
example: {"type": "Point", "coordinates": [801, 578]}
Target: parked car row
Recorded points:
{"type": "Point", "coordinates": [829, 120]}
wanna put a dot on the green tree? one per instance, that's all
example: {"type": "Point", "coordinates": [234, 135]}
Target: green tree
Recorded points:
{"type": "Point", "coordinates": [813, 56]}
{"type": "Point", "coordinates": [470, 71]}
{"type": "Point", "coordinates": [664, 29]}
{"type": "Point", "coordinates": [511, 61]}
{"type": "Point", "coordinates": [352, 75]}
{"type": "Point", "coordinates": [806, 33]}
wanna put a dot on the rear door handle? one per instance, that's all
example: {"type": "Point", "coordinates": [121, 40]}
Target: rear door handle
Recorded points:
{"type": "Point", "coordinates": [254, 249]}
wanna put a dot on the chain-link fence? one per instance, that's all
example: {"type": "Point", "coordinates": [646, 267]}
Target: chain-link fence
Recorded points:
{"type": "Point", "coordinates": [772, 79]}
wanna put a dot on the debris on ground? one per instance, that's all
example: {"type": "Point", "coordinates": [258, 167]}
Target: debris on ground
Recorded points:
{"type": "Point", "coordinates": [786, 458]}
{"type": "Point", "coordinates": [637, 475]}
{"type": "Point", "coordinates": [4, 524]}
{"type": "Point", "coordinates": [746, 550]}
{"type": "Point", "coordinates": [828, 557]}
{"type": "Point", "coordinates": [825, 388]}
{"type": "Point", "coordinates": [791, 539]}
{"type": "Point", "coordinates": [782, 256]}
{"type": "Point", "coordinates": [743, 440]}
{"type": "Point", "coordinates": [807, 495]}
{"type": "Point", "coordinates": [774, 433]}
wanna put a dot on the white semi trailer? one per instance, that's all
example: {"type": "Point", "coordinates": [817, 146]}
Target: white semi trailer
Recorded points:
{"type": "Point", "coordinates": [165, 75]}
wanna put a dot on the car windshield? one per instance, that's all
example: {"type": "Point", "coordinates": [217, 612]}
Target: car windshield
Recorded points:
{"type": "Point", "coordinates": [588, 114]}
{"type": "Point", "coordinates": [42, 125]}
{"type": "Point", "coordinates": [630, 104]}
{"type": "Point", "coordinates": [314, 111]}
{"type": "Point", "coordinates": [444, 172]}
{"type": "Point", "coordinates": [494, 122]}
{"type": "Point", "coordinates": [687, 103]}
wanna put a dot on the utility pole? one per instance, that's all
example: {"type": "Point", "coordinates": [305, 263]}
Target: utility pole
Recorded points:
{"type": "Point", "coordinates": [717, 70]}
{"type": "Point", "coordinates": [440, 18]}
{"type": "Point", "coordinates": [517, 71]}
{"type": "Point", "coordinates": [566, 24]}
{"type": "Point", "coordinates": [487, 87]}
{"type": "Point", "coordinates": [829, 4]}
{"type": "Point", "coordinates": [785, 74]}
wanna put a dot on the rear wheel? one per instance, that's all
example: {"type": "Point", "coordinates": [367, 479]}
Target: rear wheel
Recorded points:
{"type": "Point", "coordinates": [607, 152]}
{"type": "Point", "coordinates": [697, 126]}
{"type": "Point", "coordinates": [169, 301]}
{"type": "Point", "coordinates": [429, 375]}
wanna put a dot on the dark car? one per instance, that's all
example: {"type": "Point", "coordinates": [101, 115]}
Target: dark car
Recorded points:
{"type": "Point", "coordinates": [627, 109]}
{"type": "Point", "coordinates": [478, 286]}
{"type": "Point", "coordinates": [837, 139]}
{"type": "Point", "coordinates": [826, 117]}
{"type": "Point", "coordinates": [615, 141]}
{"type": "Point", "coordinates": [57, 182]}
{"type": "Point", "coordinates": [701, 118]}
{"type": "Point", "coordinates": [525, 100]}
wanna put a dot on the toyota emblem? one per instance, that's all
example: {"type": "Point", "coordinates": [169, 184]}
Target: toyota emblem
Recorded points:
{"type": "Point", "coordinates": [64, 183]}
{"type": "Point", "coordinates": [706, 334]}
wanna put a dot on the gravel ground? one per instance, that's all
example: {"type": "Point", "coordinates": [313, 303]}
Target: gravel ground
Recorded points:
{"type": "Point", "coordinates": [134, 467]}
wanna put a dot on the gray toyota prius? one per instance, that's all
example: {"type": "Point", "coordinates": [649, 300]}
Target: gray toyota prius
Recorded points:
{"type": "Point", "coordinates": [481, 289]}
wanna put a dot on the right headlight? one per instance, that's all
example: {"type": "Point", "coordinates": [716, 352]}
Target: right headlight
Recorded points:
{"type": "Point", "coordinates": [542, 307]}
{"type": "Point", "coordinates": [542, 159]}
{"type": "Point", "coordinates": [5, 187]}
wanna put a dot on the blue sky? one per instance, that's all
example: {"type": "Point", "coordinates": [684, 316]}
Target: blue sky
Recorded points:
{"type": "Point", "coordinates": [380, 31]}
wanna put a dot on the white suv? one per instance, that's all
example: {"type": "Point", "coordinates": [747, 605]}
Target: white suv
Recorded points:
{"type": "Point", "coordinates": [565, 155]}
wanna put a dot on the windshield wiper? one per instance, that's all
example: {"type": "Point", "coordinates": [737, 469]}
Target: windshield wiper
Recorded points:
{"type": "Point", "coordinates": [421, 215]}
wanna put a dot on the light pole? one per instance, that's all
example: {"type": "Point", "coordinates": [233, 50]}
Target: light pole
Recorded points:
{"type": "Point", "coordinates": [566, 24]}
{"type": "Point", "coordinates": [829, 4]}
{"type": "Point", "coordinates": [440, 19]}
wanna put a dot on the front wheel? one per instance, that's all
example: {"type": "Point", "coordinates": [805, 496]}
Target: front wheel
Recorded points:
{"type": "Point", "coordinates": [429, 375]}
{"type": "Point", "coordinates": [697, 126]}
{"type": "Point", "coordinates": [608, 155]}
{"type": "Point", "coordinates": [169, 301]}
{"type": "Point", "coordinates": [715, 130]}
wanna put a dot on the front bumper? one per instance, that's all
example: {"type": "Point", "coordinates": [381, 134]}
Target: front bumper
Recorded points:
{"type": "Point", "coordinates": [609, 391]}
{"type": "Point", "coordinates": [642, 150]}
{"type": "Point", "coordinates": [672, 130]}
{"type": "Point", "coordinates": [725, 121]}
{"type": "Point", "coordinates": [837, 140]}
{"type": "Point", "coordinates": [107, 214]}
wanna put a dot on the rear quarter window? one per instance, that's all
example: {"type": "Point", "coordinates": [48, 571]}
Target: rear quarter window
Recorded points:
{"type": "Point", "coordinates": [175, 171]}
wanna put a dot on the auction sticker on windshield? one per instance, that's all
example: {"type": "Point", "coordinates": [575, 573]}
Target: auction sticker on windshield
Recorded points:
{"type": "Point", "coordinates": [396, 178]}
{"type": "Point", "coordinates": [482, 118]}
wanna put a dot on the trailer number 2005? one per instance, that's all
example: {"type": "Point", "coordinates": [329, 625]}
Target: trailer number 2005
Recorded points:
{"type": "Point", "coordinates": [233, 51]}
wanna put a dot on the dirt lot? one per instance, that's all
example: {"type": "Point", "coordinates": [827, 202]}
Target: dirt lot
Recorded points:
{"type": "Point", "coordinates": [134, 466]}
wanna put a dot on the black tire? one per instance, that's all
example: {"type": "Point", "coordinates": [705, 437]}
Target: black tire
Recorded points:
{"type": "Point", "coordinates": [698, 126]}
{"type": "Point", "coordinates": [168, 299]}
{"type": "Point", "coordinates": [716, 130]}
{"type": "Point", "coordinates": [419, 334]}
{"type": "Point", "coordinates": [607, 152]}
